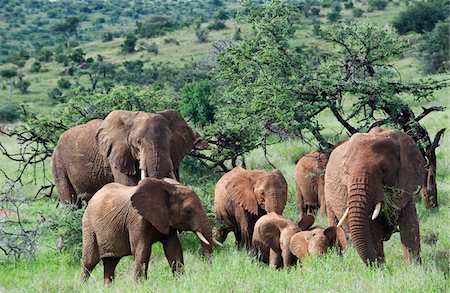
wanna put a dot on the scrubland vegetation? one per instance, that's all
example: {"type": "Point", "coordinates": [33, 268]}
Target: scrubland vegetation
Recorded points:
{"type": "Point", "coordinates": [263, 83]}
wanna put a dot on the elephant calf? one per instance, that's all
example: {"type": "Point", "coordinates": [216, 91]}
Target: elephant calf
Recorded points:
{"type": "Point", "coordinates": [242, 197]}
{"type": "Point", "coordinates": [280, 242]}
{"type": "Point", "coordinates": [122, 220]}
{"type": "Point", "coordinates": [309, 182]}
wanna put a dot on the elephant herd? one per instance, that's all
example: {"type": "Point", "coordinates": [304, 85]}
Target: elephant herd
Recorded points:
{"type": "Point", "coordinates": [126, 168]}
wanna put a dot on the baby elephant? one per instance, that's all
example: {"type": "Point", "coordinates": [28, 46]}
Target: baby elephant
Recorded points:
{"type": "Point", "coordinates": [123, 220]}
{"type": "Point", "coordinates": [280, 242]}
{"type": "Point", "coordinates": [309, 182]}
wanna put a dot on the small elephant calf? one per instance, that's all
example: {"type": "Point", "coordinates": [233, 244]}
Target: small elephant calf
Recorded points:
{"type": "Point", "coordinates": [123, 220]}
{"type": "Point", "coordinates": [280, 242]}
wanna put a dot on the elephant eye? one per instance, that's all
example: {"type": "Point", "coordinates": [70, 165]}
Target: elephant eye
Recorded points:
{"type": "Point", "coordinates": [138, 141]}
{"type": "Point", "coordinates": [189, 212]}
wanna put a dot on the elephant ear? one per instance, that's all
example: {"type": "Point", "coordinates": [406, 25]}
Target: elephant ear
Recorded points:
{"type": "Point", "coordinates": [240, 190]}
{"type": "Point", "coordinates": [112, 140]}
{"type": "Point", "coordinates": [306, 222]}
{"type": "Point", "coordinates": [299, 246]}
{"type": "Point", "coordinates": [151, 200]}
{"type": "Point", "coordinates": [336, 237]}
{"type": "Point", "coordinates": [269, 230]}
{"type": "Point", "coordinates": [182, 136]}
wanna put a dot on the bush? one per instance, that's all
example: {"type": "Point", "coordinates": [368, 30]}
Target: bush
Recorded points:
{"type": "Point", "coordinates": [155, 25]}
{"type": "Point", "coordinates": [420, 17]}
{"type": "Point", "coordinates": [44, 55]}
{"type": "Point", "coordinates": [153, 48]}
{"type": "Point", "coordinates": [357, 12]}
{"type": "Point", "coordinates": [333, 16]}
{"type": "Point", "coordinates": [23, 86]}
{"type": "Point", "coordinates": [378, 4]}
{"type": "Point", "coordinates": [9, 113]}
{"type": "Point", "coordinates": [237, 34]}
{"type": "Point", "coordinates": [107, 37]}
{"type": "Point", "coordinates": [36, 67]}
{"type": "Point", "coordinates": [434, 49]}
{"type": "Point", "coordinates": [129, 43]}
{"type": "Point", "coordinates": [171, 41]}
{"type": "Point", "coordinates": [202, 35]}
{"type": "Point", "coordinates": [195, 102]}
{"type": "Point", "coordinates": [56, 95]}
{"type": "Point", "coordinates": [64, 83]}
{"type": "Point", "coordinates": [217, 25]}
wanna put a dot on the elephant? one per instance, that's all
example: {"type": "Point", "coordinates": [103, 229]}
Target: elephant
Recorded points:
{"type": "Point", "coordinates": [280, 242]}
{"type": "Point", "coordinates": [242, 197]}
{"type": "Point", "coordinates": [309, 182]}
{"type": "Point", "coordinates": [372, 172]}
{"type": "Point", "coordinates": [124, 147]}
{"type": "Point", "coordinates": [126, 220]}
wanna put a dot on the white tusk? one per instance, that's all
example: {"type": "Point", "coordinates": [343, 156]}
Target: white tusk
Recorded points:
{"type": "Point", "coordinates": [143, 174]}
{"type": "Point", "coordinates": [202, 238]}
{"type": "Point", "coordinates": [217, 242]}
{"type": "Point", "coordinates": [344, 217]}
{"type": "Point", "coordinates": [172, 175]}
{"type": "Point", "coordinates": [377, 210]}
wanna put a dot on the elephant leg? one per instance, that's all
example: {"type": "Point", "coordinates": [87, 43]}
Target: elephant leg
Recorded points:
{"type": "Point", "coordinates": [409, 233]}
{"type": "Point", "coordinates": [321, 197]}
{"type": "Point", "coordinates": [173, 251]}
{"type": "Point", "coordinates": [91, 255]}
{"type": "Point", "coordinates": [176, 171]}
{"type": "Point", "coordinates": [275, 259]}
{"type": "Point", "coordinates": [109, 267]}
{"type": "Point", "coordinates": [332, 219]}
{"type": "Point", "coordinates": [301, 204]}
{"type": "Point", "coordinates": [66, 192]}
{"type": "Point", "coordinates": [142, 254]}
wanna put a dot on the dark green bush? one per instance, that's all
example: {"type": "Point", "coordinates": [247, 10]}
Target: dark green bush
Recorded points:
{"type": "Point", "coordinates": [129, 43]}
{"type": "Point", "coordinates": [421, 17]}
{"type": "Point", "coordinates": [333, 16]}
{"type": "Point", "coordinates": [64, 83]}
{"type": "Point", "coordinates": [357, 12]}
{"type": "Point", "coordinates": [378, 4]}
{"type": "Point", "coordinates": [36, 67]}
{"type": "Point", "coordinates": [107, 37]}
{"type": "Point", "coordinates": [434, 49]}
{"type": "Point", "coordinates": [23, 85]}
{"type": "Point", "coordinates": [217, 25]}
{"type": "Point", "coordinates": [195, 102]}
{"type": "Point", "coordinates": [9, 113]}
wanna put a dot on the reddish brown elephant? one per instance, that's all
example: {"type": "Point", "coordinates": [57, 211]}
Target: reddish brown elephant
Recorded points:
{"type": "Point", "coordinates": [371, 179]}
{"type": "Point", "coordinates": [309, 182]}
{"type": "Point", "coordinates": [280, 242]}
{"type": "Point", "coordinates": [242, 197]}
{"type": "Point", "coordinates": [123, 220]}
{"type": "Point", "coordinates": [123, 148]}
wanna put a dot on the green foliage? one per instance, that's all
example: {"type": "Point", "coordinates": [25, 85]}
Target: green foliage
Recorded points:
{"type": "Point", "coordinates": [153, 48]}
{"type": "Point", "coordinates": [155, 25]}
{"type": "Point", "coordinates": [23, 85]}
{"type": "Point", "coordinates": [129, 43]}
{"type": "Point", "coordinates": [237, 36]}
{"type": "Point", "coordinates": [36, 67]}
{"type": "Point", "coordinates": [357, 12]}
{"type": "Point", "coordinates": [202, 35]}
{"type": "Point", "coordinates": [221, 14]}
{"type": "Point", "coordinates": [434, 49]}
{"type": "Point", "coordinates": [77, 55]}
{"type": "Point", "coordinates": [333, 16]}
{"type": "Point", "coordinates": [217, 25]}
{"type": "Point", "coordinates": [421, 17]}
{"type": "Point", "coordinates": [43, 55]}
{"type": "Point", "coordinates": [9, 112]}
{"type": "Point", "coordinates": [63, 225]}
{"type": "Point", "coordinates": [8, 73]}
{"type": "Point", "coordinates": [378, 4]}
{"type": "Point", "coordinates": [195, 102]}
{"type": "Point", "coordinates": [64, 83]}
{"type": "Point", "coordinates": [107, 37]}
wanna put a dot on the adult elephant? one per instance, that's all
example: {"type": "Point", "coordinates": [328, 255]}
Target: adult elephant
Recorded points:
{"type": "Point", "coordinates": [123, 220]}
{"type": "Point", "coordinates": [280, 242]}
{"type": "Point", "coordinates": [309, 182]}
{"type": "Point", "coordinates": [373, 172]}
{"type": "Point", "coordinates": [124, 147]}
{"type": "Point", "coordinates": [242, 197]}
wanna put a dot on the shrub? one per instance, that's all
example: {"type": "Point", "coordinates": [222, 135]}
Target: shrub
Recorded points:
{"type": "Point", "coordinates": [44, 55]}
{"type": "Point", "coordinates": [129, 43]}
{"type": "Point", "coordinates": [107, 37]}
{"type": "Point", "coordinates": [420, 17]}
{"type": "Point", "coordinates": [56, 95]}
{"type": "Point", "coordinates": [23, 86]}
{"type": "Point", "coordinates": [434, 49]}
{"type": "Point", "coordinates": [171, 41]}
{"type": "Point", "coordinates": [378, 4]}
{"type": "Point", "coordinates": [237, 34]}
{"type": "Point", "coordinates": [64, 83]}
{"type": "Point", "coordinates": [333, 16]}
{"type": "Point", "coordinates": [357, 12]}
{"type": "Point", "coordinates": [155, 25]}
{"type": "Point", "coordinates": [202, 35]}
{"type": "Point", "coordinates": [217, 25]}
{"type": "Point", "coordinates": [36, 67]}
{"type": "Point", "coordinates": [195, 102]}
{"type": "Point", "coordinates": [9, 113]}
{"type": "Point", "coordinates": [153, 48]}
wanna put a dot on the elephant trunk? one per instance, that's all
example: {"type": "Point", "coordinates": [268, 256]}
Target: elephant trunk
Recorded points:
{"type": "Point", "coordinates": [272, 204]}
{"type": "Point", "coordinates": [155, 162]}
{"type": "Point", "coordinates": [359, 218]}
{"type": "Point", "coordinates": [206, 230]}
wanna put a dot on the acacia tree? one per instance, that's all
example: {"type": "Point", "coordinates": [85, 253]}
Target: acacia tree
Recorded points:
{"type": "Point", "coordinates": [280, 88]}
